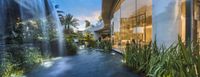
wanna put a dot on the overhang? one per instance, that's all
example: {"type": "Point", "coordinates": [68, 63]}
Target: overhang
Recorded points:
{"type": "Point", "coordinates": [108, 7]}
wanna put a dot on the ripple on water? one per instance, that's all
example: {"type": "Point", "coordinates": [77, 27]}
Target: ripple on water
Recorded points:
{"type": "Point", "coordinates": [88, 63]}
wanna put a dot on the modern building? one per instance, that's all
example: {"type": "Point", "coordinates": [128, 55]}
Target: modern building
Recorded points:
{"type": "Point", "coordinates": [94, 29]}
{"type": "Point", "coordinates": [151, 20]}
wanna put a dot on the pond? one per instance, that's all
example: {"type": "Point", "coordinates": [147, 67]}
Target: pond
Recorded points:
{"type": "Point", "coordinates": [87, 63]}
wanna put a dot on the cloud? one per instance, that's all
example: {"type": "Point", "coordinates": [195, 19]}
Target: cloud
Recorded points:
{"type": "Point", "coordinates": [81, 9]}
{"type": "Point", "coordinates": [93, 18]}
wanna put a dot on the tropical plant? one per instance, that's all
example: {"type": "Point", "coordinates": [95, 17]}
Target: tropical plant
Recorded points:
{"type": "Point", "coordinates": [71, 47]}
{"type": "Point", "coordinates": [177, 60]}
{"type": "Point", "coordinates": [90, 41]}
{"type": "Point", "coordinates": [105, 45]}
{"type": "Point", "coordinates": [18, 61]}
{"type": "Point", "coordinates": [87, 23]}
{"type": "Point", "coordinates": [69, 21]}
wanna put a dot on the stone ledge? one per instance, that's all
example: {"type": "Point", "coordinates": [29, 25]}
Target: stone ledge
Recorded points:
{"type": "Point", "coordinates": [117, 50]}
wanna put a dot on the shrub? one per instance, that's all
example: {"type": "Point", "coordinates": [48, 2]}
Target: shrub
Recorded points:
{"type": "Point", "coordinates": [91, 43]}
{"type": "Point", "coordinates": [89, 39]}
{"type": "Point", "coordinates": [71, 48]}
{"type": "Point", "coordinates": [6, 66]}
{"type": "Point", "coordinates": [7, 70]}
{"type": "Point", "coordinates": [18, 60]}
{"type": "Point", "coordinates": [105, 45]}
{"type": "Point", "coordinates": [32, 57]}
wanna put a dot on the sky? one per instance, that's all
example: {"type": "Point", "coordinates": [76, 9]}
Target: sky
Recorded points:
{"type": "Point", "coordinates": [82, 10]}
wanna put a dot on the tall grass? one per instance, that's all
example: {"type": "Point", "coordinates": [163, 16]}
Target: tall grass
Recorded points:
{"type": "Point", "coordinates": [105, 45]}
{"type": "Point", "coordinates": [177, 60]}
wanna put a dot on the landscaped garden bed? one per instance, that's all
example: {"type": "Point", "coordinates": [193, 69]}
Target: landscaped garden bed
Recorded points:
{"type": "Point", "coordinates": [178, 60]}
{"type": "Point", "coordinates": [18, 60]}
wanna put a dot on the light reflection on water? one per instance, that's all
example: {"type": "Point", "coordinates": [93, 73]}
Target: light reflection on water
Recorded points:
{"type": "Point", "coordinates": [49, 63]}
{"type": "Point", "coordinates": [60, 67]}
{"type": "Point", "coordinates": [87, 63]}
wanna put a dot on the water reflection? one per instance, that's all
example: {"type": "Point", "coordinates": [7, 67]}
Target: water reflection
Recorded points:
{"type": "Point", "coordinates": [88, 63]}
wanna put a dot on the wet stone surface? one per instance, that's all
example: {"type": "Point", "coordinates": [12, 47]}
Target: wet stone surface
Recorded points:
{"type": "Point", "coordinates": [88, 63]}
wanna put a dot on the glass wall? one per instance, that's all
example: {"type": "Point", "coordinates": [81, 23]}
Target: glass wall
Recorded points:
{"type": "Point", "coordinates": [136, 22]}
{"type": "Point", "coordinates": [116, 29]}
{"type": "Point", "coordinates": [169, 20]}
{"type": "Point", "coordinates": [183, 21]}
{"type": "Point", "coordinates": [132, 22]}
{"type": "Point", "coordinates": [196, 27]}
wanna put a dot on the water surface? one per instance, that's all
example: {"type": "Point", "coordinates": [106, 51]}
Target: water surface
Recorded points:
{"type": "Point", "coordinates": [88, 63]}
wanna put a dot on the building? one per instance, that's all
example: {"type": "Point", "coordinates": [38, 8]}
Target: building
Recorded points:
{"type": "Point", "coordinates": [149, 20]}
{"type": "Point", "coordinates": [94, 30]}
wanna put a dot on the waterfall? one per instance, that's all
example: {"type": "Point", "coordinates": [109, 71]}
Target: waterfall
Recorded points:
{"type": "Point", "coordinates": [59, 29]}
{"type": "Point", "coordinates": [34, 11]}
{"type": "Point", "coordinates": [36, 20]}
{"type": "Point", "coordinates": [2, 24]}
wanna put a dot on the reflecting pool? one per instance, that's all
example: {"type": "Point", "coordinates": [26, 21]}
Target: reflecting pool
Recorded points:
{"type": "Point", "coordinates": [88, 63]}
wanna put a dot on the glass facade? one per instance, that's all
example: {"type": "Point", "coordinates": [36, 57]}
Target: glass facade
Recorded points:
{"type": "Point", "coordinates": [116, 29]}
{"type": "Point", "coordinates": [132, 22]}
{"type": "Point", "coordinates": [169, 21]}
{"type": "Point", "coordinates": [196, 27]}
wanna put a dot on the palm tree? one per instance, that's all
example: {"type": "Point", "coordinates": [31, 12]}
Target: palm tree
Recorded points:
{"type": "Point", "coordinates": [87, 23]}
{"type": "Point", "coordinates": [68, 21]}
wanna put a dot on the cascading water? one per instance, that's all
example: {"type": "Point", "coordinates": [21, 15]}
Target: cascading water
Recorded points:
{"type": "Point", "coordinates": [59, 29]}
{"type": "Point", "coordinates": [31, 21]}
{"type": "Point", "coordinates": [2, 24]}
{"type": "Point", "coordinates": [34, 11]}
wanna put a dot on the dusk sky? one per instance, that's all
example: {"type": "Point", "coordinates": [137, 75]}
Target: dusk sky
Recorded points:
{"type": "Point", "coordinates": [82, 10]}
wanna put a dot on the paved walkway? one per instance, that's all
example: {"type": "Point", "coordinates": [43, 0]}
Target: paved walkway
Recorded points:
{"type": "Point", "coordinates": [88, 63]}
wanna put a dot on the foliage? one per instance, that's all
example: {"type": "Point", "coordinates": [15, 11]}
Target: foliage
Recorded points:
{"type": "Point", "coordinates": [90, 41]}
{"type": "Point", "coordinates": [18, 60]}
{"type": "Point", "coordinates": [15, 35]}
{"type": "Point", "coordinates": [7, 70]}
{"type": "Point", "coordinates": [80, 38]}
{"type": "Point", "coordinates": [45, 30]}
{"type": "Point", "coordinates": [52, 35]}
{"type": "Point", "coordinates": [87, 23]}
{"type": "Point", "coordinates": [68, 20]}
{"type": "Point", "coordinates": [32, 57]}
{"type": "Point", "coordinates": [105, 45]}
{"type": "Point", "coordinates": [71, 47]}
{"type": "Point", "coordinates": [177, 60]}
{"type": "Point", "coordinates": [31, 30]}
